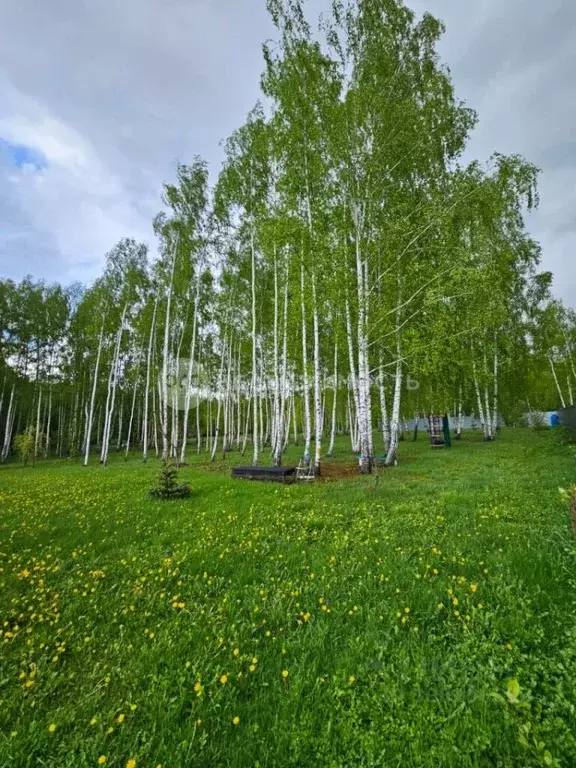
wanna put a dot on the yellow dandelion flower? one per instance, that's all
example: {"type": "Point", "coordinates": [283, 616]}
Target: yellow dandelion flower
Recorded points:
{"type": "Point", "coordinates": [284, 673]}
{"type": "Point", "coordinates": [52, 727]}
{"type": "Point", "coordinates": [94, 721]}
{"type": "Point", "coordinates": [455, 601]}
{"type": "Point", "coordinates": [236, 720]}
{"type": "Point", "coordinates": [102, 759]}
{"type": "Point", "coordinates": [255, 660]}
{"type": "Point", "coordinates": [224, 679]}
{"type": "Point", "coordinates": [236, 652]}
{"type": "Point", "coordinates": [252, 667]}
{"type": "Point", "coordinates": [351, 680]}
{"type": "Point", "coordinates": [133, 707]}
{"type": "Point", "coordinates": [131, 763]}
{"type": "Point", "coordinates": [473, 587]}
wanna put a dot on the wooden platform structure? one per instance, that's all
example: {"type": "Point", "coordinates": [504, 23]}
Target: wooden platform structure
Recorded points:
{"type": "Point", "coordinates": [266, 474]}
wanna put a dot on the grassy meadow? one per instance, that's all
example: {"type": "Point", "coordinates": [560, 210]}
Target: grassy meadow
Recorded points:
{"type": "Point", "coordinates": [423, 617]}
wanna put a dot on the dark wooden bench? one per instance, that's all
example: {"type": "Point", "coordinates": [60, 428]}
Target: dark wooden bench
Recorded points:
{"type": "Point", "coordinates": [267, 474]}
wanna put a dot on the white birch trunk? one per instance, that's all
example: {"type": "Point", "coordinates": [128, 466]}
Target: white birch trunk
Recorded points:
{"type": "Point", "coordinates": [295, 424]}
{"type": "Point", "coordinates": [364, 410]}
{"type": "Point", "coordinates": [60, 429]}
{"type": "Point", "coordinates": [460, 416]}
{"type": "Point", "coordinates": [131, 417]}
{"type": "Point", "coordinates": [238, 399]}
{"type": "Point", "coordinates": [164, 402]}
{"type": "Point", "coordinates": [353, 379]}
{"type": "Point", "coordinates": [479, 401]}
{"type": "Point", "coordinates": [225, 433]}
{"type": "Point", "coordinates": [276, 436]}
{"type": "Point", "coordinates": [8, 426]}
{"type": "Point", "coordinates": [112, 382]}
{"type": "Point", "coordinates": [318, 412]}
{"type": "Point", "coordinates": [103, 439]}
{"type": "Point", "coordinates": [48, 420]}
{"type": "Point", "coordinates": [383, 407]}
{"type": "Point", "coordinates": [334, 402]}
{"type": "Point", "coordinates": [247, 425]}
{"type": "Point", "coordinates": [120, 420]}
{"type": "Point", "coordinates": [495, 399]}
{"type": "Point", "coordinates": [488, 414]}
{"type": "Point", "coordinates": [154, 423]}
{"type": "Point", "coordinates": [286, 423]}
{"type": "Point", "coordinates": [284, 430]}
{"type": "Point", "coordinates": [255, 444]}
{"type": "Point", "coordinates": [560, 395]}
{"type": "Point", "coordinates": [147, 387]}
{"type": "Point", "coordinates": [37, 431]}
{"type": "Point", "coordinates": [219, 397]}
{"type": "Point", "coordinates": [391, 456]}
{"type": "Point", "coordinates": [352, 423]}
{"type": "Point", "coordinates": [306, 392]}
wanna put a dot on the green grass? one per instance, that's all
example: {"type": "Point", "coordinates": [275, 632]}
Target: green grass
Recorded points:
{"type": "Point", "coordinates": [113, 604]}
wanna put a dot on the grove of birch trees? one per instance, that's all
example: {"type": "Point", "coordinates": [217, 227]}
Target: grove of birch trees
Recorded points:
{"type": "Point", "coordinates": [342, 273]}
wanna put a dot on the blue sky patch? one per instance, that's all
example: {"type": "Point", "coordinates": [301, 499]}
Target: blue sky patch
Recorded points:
{"type": "Point", "coordinates": [20, 155]}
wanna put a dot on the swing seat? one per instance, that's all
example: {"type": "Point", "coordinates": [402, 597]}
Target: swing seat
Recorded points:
{"type": "Point", "coordinates": [305, 471]}
{"type": "Point", "coordinates": [435, 432]}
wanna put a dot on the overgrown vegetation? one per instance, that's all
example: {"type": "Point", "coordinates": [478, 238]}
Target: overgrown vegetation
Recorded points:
{"type": "Point", "coordinates": [24, 446]}
{"type": "Point", "coordinates": [427, 620]}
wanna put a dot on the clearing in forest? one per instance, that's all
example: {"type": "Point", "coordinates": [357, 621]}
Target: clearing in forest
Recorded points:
{"type": "Point", "coordinates": [424, 617]}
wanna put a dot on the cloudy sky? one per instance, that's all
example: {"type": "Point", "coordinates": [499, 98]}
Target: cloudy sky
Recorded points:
{"type": "Point", "coordinates": [98, 100]}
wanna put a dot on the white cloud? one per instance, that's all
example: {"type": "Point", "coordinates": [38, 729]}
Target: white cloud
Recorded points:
{"type": "Point", "coordinates": [75, 199]}
{"type": "Point", "coordinates": [114, 93]}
